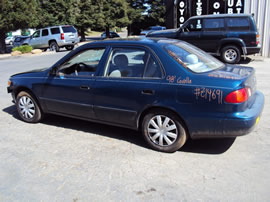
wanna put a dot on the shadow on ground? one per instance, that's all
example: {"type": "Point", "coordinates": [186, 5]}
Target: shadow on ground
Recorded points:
{"type": "Point", "coordinates": [205, 146]}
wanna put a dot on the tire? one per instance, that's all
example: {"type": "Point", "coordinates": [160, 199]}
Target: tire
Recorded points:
{"type": "Point", "coordinates": [54, 47]}
{"type": "Point", "coordinates": [28, 108]}
{"type": "Point", "coordinates": [69, 47]}
{"type": "Point", "coordinates": [230, 54]}
{"type": "Point", "coordinates": [173, 135]}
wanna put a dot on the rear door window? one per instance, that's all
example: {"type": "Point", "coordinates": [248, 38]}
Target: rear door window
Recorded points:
{"type": "Point", "coordinates": [132, 63]}
{"type": "Point", "coordinates": [238, 24]}
{"type": "Point", "coordinates": [213, 24]}
{"type": "Point", "coordinates": [55, 30]}
{"type": "Point", "coordinates": [67, 29]}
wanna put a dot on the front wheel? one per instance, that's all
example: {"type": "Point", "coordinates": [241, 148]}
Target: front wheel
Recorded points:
{"type": "Point", "coordinates": [230, 54]}
{"type": "Point", "coordinates": [28, 108]}
{"type": "Point", "coordinates": [163, 131]}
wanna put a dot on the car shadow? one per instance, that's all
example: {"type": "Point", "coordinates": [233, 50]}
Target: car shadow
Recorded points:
{"type": "Point", "coordinates": [204, 146]}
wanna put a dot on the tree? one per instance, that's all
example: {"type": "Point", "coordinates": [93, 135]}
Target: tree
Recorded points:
{"type": "Point", "coordinates": [14, 15]}
{"type": "Point", "coordinates": [58, 12]}
{"type": "Point", "coordinates": [89, 16]}
{"type": "Point", "coordinates": [115, 14]}
{"type": "Point", "coordinates": [135, 14]}
{"type": "Point", "coordinates": [156, 13]}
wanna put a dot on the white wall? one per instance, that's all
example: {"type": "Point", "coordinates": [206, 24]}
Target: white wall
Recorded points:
{"type": "Point", "coordinates": [261, 10]}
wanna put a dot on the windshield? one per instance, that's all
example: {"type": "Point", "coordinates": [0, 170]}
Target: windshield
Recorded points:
{"type": "Point", "coordinates": [192, 58]}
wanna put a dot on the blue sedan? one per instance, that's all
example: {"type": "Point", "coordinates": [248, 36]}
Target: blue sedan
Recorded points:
{"type": "Point", "coordinates": [168, 89]}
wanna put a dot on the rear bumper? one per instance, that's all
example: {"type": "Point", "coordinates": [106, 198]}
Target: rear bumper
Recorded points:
{"type": "Point", "coordinates": [253, 50]}
{"type": "Point", "coordinates": [63, 43]}
{"type": "Point", "coordinates": [235, 124]}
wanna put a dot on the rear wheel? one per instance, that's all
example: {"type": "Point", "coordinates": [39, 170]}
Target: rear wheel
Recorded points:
{"type": "Point", "coordinates": [28, 108]}
{"type": "Point", "coordinates": [163, 131]}
{"type": "Point", "coordinates": [230, 54]}
{"type": "Point", "coordinates": [54, 46]}
{"type": "Point", "coordinates": [69, 47]}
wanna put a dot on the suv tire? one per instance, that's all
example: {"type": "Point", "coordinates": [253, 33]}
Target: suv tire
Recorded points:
{"type": "Point", "coordinates": [163, 131]}
{"type": "Point", "coordinates": [54, 46]}
{"type": "Point", "coordinates": [230, 54]}
{"type": "Point", "coordinates": [69, 47]}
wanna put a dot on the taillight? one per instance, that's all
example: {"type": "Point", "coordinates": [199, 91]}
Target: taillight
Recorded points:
{"type": "Point", "coordinates": [62, 36]}
{"type": "Point", "coordinates": [257, 39]}
{"type": "Point", "coordinates": [238, 96]}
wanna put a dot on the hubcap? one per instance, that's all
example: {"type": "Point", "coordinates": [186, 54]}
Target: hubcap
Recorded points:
{"type": "Point", "coordinates": [162, 130]}
{"type": "Point", "coordinates": [230, 54]}
{"type": "Point", "coordinates": [53, 47]}
{"type": "Point", "coordinates": [27, 107]}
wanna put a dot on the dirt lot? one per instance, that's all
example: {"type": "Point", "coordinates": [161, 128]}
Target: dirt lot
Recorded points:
{"type": "Point", "coordinates": [63, 159]}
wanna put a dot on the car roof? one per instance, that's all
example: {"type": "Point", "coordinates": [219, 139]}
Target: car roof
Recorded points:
{"type": "Point", "coordinates": [135, 41]}
{"type": "Point", "coordinates": [221, 16]}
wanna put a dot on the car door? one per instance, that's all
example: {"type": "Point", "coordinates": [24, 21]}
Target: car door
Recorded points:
{"type": "Point", "coordinates": [44, 40]}
{"type": "Point", "coordinates": [191, 32]}
{"type": "Point", "coordinates": [35, 39]}
{"type": "Point", "coordinates": [130, 82]}
{"type": "Point", "coordinates": [69, 90]}
{"type": "Point", "coordinates": [213, 32]}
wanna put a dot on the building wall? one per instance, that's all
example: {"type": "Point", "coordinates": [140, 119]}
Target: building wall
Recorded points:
{"type": "Point", "coordinates": [261, 10]}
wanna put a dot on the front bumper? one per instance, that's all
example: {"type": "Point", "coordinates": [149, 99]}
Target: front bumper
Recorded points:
{"type": "Point", "coordinates": [236, 124]}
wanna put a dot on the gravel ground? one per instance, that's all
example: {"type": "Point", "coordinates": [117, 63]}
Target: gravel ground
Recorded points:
{"type": "Point", "coordinates": [63, 159]}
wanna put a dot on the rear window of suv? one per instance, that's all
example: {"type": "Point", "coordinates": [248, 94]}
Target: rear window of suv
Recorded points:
{"type": "Point", "coordinates": [69, 29]}
{"type": "Point", "coordinates": [235, 24]}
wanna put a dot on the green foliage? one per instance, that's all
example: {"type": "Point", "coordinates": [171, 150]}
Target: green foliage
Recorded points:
{"type": "Point", "coordinates": [57, 12]}
{"type": "Point", "coordinates": [23, 49]}
{"type": "Point", "coordinates": [18, 14]}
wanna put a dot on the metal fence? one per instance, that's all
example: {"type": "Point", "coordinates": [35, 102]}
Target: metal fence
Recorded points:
{"type": "Point", "coordinates": [261, 10]}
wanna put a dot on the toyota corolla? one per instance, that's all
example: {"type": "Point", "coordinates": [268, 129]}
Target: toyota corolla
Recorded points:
{"type": "Point", "coordinates": [167, 89]}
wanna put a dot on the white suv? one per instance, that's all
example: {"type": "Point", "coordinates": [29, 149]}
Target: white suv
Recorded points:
{"type": "Point", "coordinates": [54, 38]}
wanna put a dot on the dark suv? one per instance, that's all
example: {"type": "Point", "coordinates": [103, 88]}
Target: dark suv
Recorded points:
{"type": "Point", "coordinates": [227, 35]}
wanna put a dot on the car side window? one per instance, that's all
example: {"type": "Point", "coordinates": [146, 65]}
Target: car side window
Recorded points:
{"type": "Point", "coordinates": [55, 30]}
{"type": "Point", "coordinates": [194, 25]}
{"type": "Point", "coordinates": [83, 64]}
{"type": "Point", "coordinates": [36, 34]}
{"type": "Point", "coordinates": [213, 24]}
{"type": "Point", "coordinates": [131, 63]}
{"type": "Point", "coordinates": [45, 32]}
{"type": "Point", "coordinates": [238, 24]}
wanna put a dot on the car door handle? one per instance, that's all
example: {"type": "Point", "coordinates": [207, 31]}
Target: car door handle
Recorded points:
{"type": "Point", "coordinates": [83, 87]}
{"type": "Point", "coordinates": [148, 92]}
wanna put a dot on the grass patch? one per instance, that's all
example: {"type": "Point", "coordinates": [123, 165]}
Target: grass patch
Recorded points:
{"type": "Point", "coordinates": [23, 49]}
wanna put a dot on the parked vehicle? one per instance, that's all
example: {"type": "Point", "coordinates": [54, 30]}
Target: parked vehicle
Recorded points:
{"type": "Point", "coordinates": [168, 89]}
{"type": "Point", "coordinates": [9, 40]}
{"type": "Point", "coordinates": [112, 35]}
{"type": "Point", "coordinates": [54, 38]}
{"type": "Point", "coordinates": [21, 40]}
{"type": "Point", "coordinates": [228, 35]}
{"type": "Point", "coordinates": [152, 29]}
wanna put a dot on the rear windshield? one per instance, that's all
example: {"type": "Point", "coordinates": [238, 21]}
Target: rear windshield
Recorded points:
{"type": "Point", "coordinates": [67, 29]}
{"type": "Point", "coordinates": [192, 58]}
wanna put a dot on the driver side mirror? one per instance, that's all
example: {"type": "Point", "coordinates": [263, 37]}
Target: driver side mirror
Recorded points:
{"type": "Point", "coordinates": [53, 71]}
